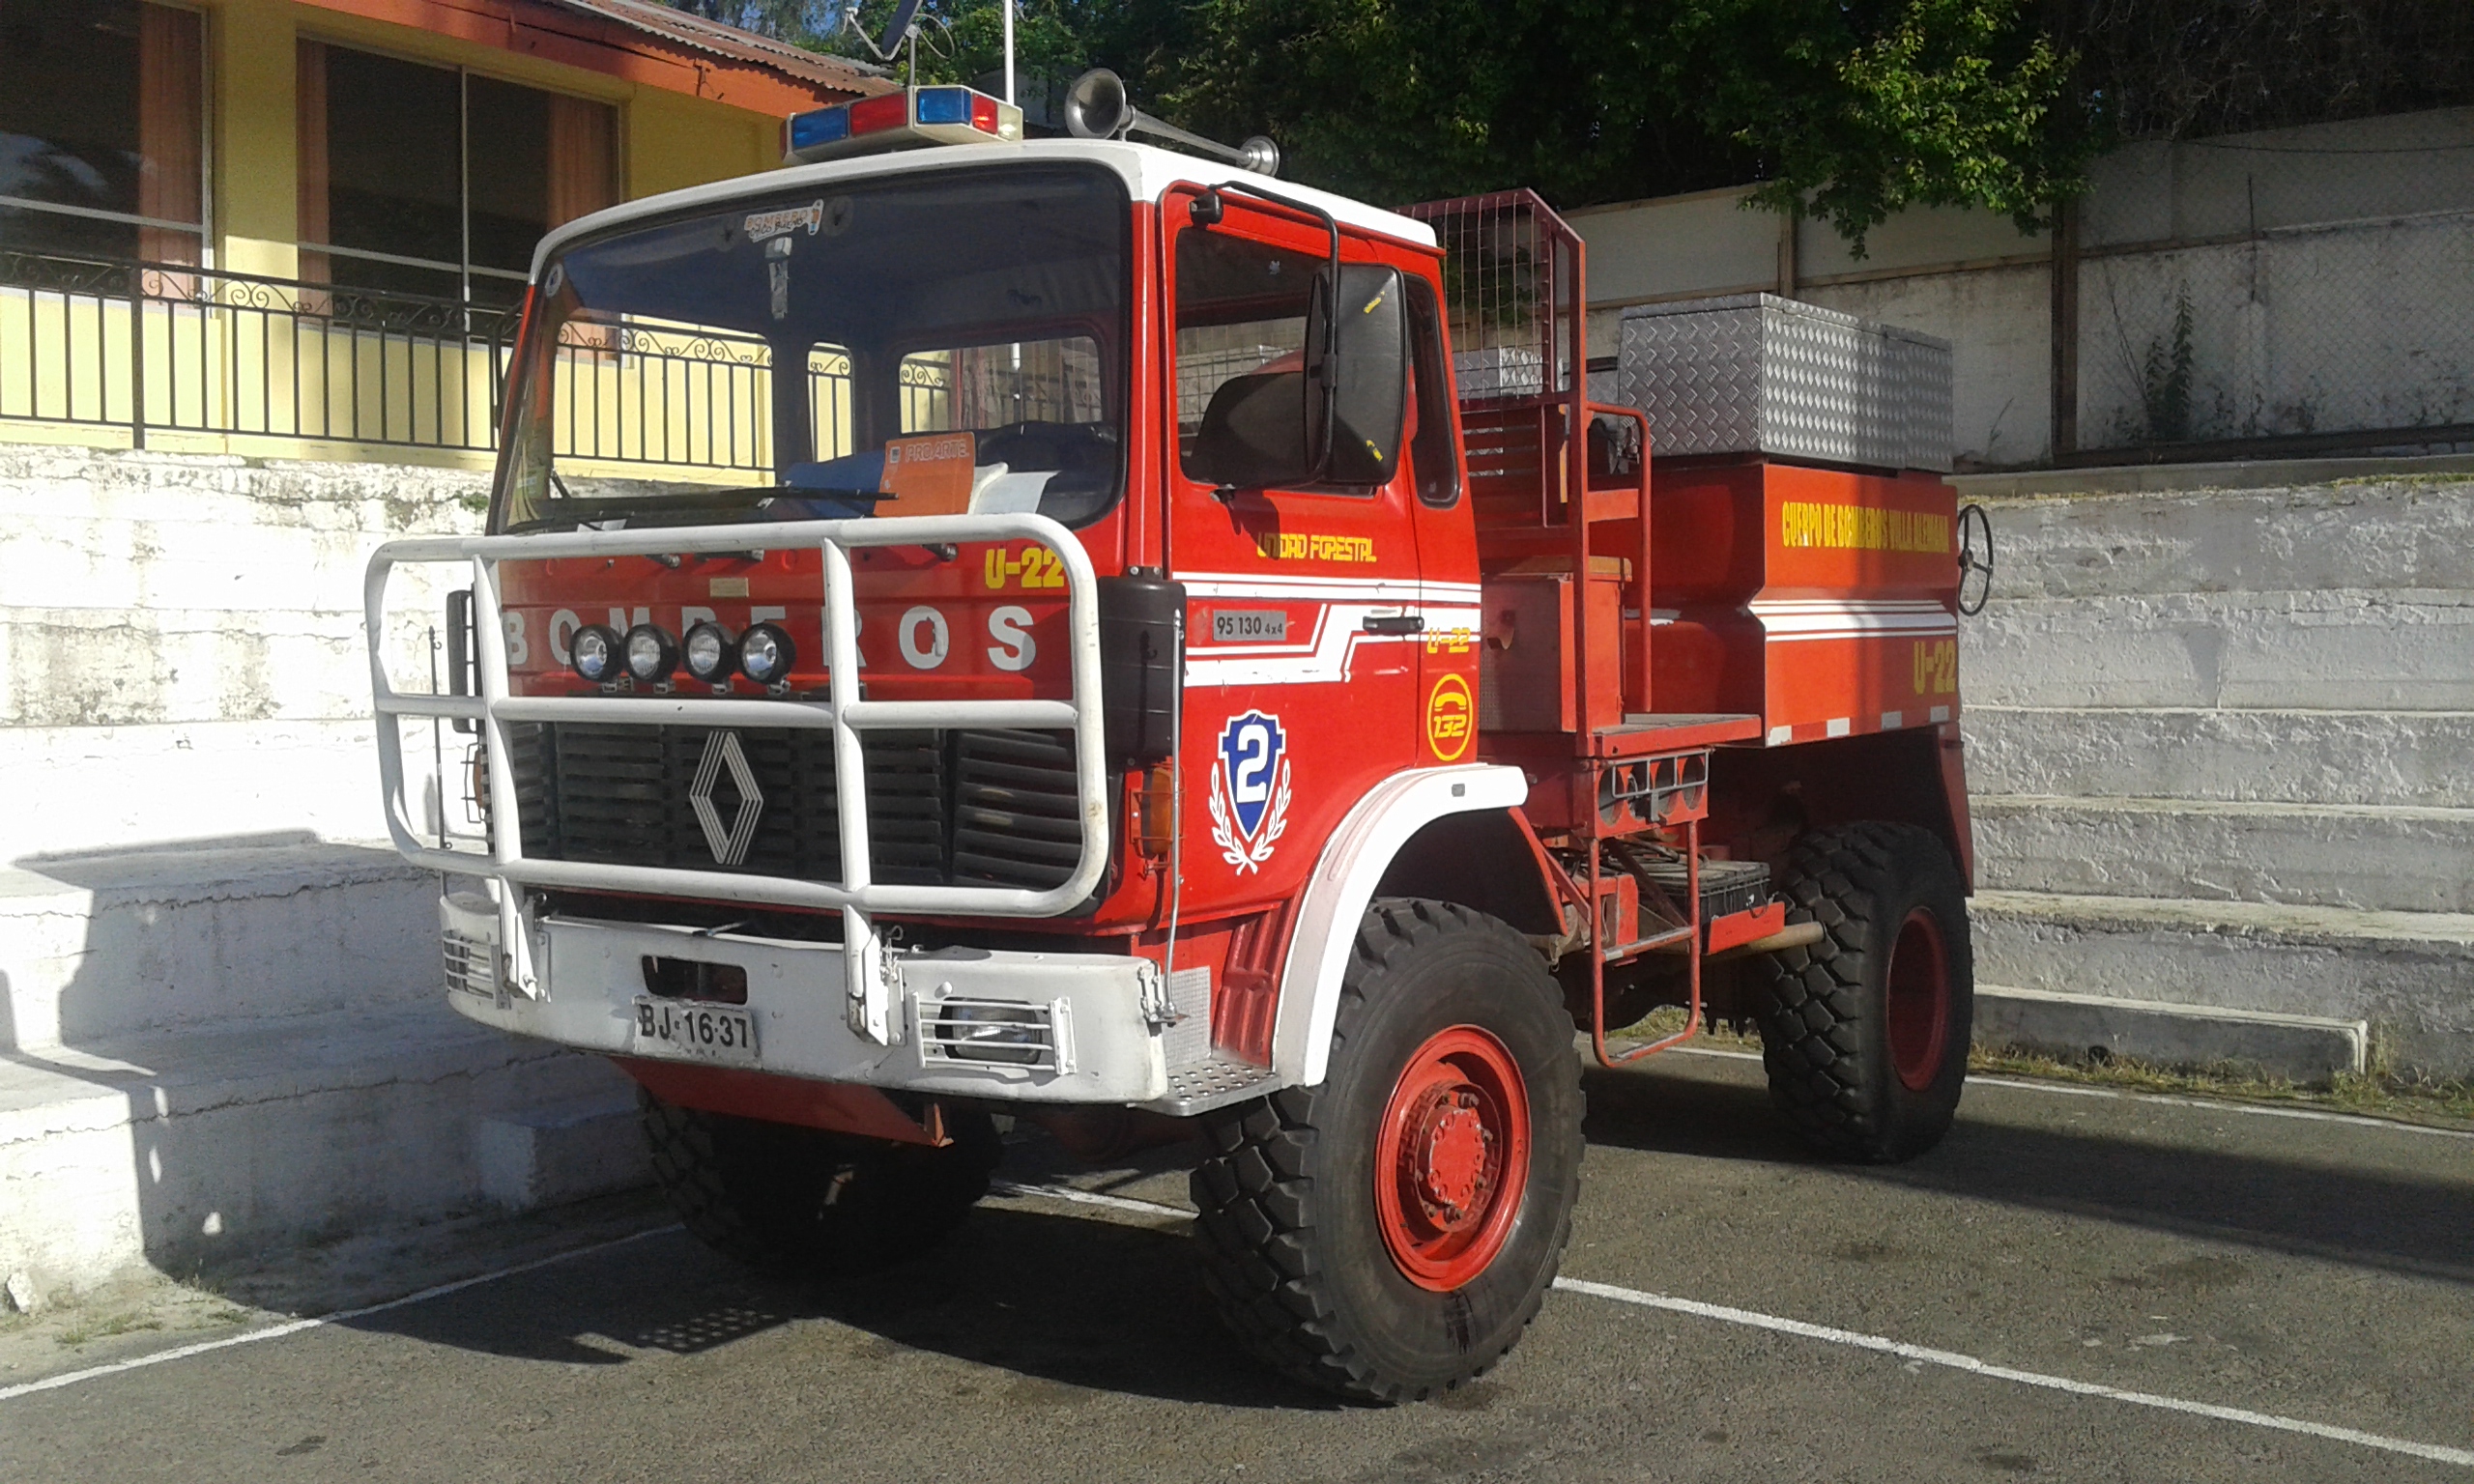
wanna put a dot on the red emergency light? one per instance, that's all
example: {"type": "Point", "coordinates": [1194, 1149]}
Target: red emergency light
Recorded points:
{"type": "Point", "coordinates": [895, 121]}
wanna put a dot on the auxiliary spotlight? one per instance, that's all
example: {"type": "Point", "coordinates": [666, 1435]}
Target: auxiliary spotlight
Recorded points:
{"type": "Point", "coordinates": [593, 653]}
{"type": "Point", "coordinates": [651, 654]}
{"type": "Point", "coordinates": [767, 654]}
{"type": "Point", "coordinates": [709, 652]}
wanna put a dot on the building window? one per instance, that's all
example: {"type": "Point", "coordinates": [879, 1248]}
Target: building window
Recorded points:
{"type": "Point", "coordinates": [102, 152]}
{"type": "Point", "coordinates": [435, 181]}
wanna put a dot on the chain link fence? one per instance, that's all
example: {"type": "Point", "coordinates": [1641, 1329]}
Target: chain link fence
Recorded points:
{"type": "Point", "coordinates": [2351, 328]}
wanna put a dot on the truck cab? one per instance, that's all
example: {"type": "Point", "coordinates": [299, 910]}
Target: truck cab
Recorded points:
{"type": "Point", "coordinates": [987, 627]}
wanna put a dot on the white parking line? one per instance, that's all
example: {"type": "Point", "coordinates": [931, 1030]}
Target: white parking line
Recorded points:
{"type": "Point", "coordinates": [296, 1326]}
{"type": "Point", "coordinates": [1076, 1197]}
{"type": "Point", "coordinates": [1956, 1361]}
{"type": "Point", "coordinates": [1882, 1345]}
{"type": "Point", "coordinates": [2168, 1100]}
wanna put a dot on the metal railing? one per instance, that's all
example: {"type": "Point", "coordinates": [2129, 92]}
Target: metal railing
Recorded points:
{"type": "Point", "coordinates": [169, 347]}
{"type": "Point", "coordinates": [846, 714]}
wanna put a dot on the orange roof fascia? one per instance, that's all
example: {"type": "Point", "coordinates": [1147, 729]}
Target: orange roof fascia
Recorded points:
{"type": "Point", "coordinates": [596, 45]}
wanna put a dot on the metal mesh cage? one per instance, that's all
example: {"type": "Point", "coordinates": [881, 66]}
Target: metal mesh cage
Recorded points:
{"type": "Point", "coordinates": [1512, 283]}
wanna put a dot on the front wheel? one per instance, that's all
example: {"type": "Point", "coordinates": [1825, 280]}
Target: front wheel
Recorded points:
{"type": "Point", "coordinates": [1865, 1033]}
{"type": "Point", "coordinates": [1388, 1233]}
{"type": "Point", "coordinates": [789, 1200]}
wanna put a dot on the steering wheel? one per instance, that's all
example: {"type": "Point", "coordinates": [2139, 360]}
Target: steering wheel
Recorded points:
{"type": "Point", "coordinates": [1975, 558]}
{"type": "Point", "coordinates": [1066, 448]}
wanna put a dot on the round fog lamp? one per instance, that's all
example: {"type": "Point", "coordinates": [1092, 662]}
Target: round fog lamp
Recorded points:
{"type": "Point", "coordinates": [593, 653]}
{"type": "Point", "coordinates": [707, 651]}
{"type": "Point", "coordinates": [651, 654]}
{"type": "Point", "coordinates": [767, 654]}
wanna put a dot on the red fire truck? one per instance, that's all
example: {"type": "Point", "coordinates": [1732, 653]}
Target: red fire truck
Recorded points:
{"type": "Point", "coordinates": [973, 627]}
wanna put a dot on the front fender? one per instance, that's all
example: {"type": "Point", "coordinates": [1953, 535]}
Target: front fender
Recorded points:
{"type": "Point", "coordinates": [1336, 895]}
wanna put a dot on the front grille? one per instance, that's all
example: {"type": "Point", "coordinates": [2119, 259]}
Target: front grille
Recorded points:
{"type": "Point", "coordinates": [957, 807]}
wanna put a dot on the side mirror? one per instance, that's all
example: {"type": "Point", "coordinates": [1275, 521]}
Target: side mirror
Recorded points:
{"type": "Point", "coordinates": [1357, 374]}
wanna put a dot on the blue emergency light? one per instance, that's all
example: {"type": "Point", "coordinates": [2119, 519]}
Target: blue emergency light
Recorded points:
{"type": "Point", "coordinates": [901, 121]}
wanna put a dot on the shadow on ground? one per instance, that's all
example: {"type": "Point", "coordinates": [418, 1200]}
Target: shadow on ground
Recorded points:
{"type": "Point", "coordinates": [1117, 1307]}
{"type": "Point", "coordinates": [1062, 1299]}
{"type": "Point", "coordinates": [2364, 1217]}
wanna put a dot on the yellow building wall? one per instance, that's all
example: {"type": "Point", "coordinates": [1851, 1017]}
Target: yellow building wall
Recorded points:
{"type": "Point", "coordinates": [283, 379]}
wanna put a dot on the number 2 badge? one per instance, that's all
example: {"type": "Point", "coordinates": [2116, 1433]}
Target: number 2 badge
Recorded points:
{"type": "Point", "coordinates": [1250, 791]}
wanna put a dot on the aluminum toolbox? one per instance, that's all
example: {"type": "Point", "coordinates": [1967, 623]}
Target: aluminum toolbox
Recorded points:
{"type": "Point", "coordinates": [1754, 373]}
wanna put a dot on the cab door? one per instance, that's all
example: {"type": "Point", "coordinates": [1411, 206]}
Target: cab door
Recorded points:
{"type": "Point", "coordinates": [1303, 623]}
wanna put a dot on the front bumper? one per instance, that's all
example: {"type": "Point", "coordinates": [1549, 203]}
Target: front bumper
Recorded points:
{"type": "Point", "coordinates": [1097, 1028]}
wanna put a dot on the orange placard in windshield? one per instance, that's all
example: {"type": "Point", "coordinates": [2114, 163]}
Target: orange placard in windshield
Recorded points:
{"type": "Point", "coordinates": [929, 474]}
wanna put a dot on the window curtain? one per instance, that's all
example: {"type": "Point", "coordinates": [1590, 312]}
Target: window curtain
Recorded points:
{"type": "Point", "coordinates": [309, 106]}
{"type": "Point", "coordinates": [584, 158]}
{"type": "Point", "coordinates": [170, 93]}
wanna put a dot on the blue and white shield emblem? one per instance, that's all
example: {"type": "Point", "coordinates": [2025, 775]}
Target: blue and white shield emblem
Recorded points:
{"type": "Point", "coordinates": [1249, 789]}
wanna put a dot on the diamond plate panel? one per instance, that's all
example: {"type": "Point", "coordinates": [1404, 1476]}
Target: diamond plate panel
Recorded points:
{"type": "Point", "coordinates": [1754, 373]}
{"type": "Point", "coordinates": [1501, 371]}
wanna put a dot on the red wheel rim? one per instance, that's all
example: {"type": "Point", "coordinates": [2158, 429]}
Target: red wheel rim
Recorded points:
{"type": "Point", "coordinates": [1453, 1159]}
{"type": "Point", "coordinates": [1919, 1001]}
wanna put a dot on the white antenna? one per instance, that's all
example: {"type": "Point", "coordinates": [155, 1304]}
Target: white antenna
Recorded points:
{"type": "Point", "coordinates": [1009, 50]}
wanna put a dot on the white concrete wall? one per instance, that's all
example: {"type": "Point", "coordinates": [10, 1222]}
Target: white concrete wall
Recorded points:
{"type": "Point", "coordinates": [2330, 272]}
{"type": "Point", "coordinates": [222, 1021]}
{"type": "Point", "coordinates": [2220, 726]}
{"type": "Point", "coordinates": [181, 643]}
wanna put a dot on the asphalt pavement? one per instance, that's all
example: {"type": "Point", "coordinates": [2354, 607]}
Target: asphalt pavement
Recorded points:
{"type": "Point", "coordinates": [2076, 1285]}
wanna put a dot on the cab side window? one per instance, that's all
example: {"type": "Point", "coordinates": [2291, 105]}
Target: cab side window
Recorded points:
{"type": "Point", "coordinates": [1430, 450]}
{"type": "Point", "coordinates": [1241, 314]}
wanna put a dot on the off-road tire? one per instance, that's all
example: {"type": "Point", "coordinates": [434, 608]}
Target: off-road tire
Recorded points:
{"type": "Point", "coordinates": [788, 1200]}
{"type": "Point", "coordinates": [1292, 1246]}
{"type": "Point", "coordinates": [1824, 1010]}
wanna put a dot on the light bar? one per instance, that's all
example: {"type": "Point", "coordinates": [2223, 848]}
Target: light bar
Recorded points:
{"type": "Point", "coordinates": [899, 120]}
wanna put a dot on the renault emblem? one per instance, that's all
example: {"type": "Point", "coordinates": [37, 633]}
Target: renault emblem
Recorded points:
{"type": "Point", "coordinates": [721, 751]}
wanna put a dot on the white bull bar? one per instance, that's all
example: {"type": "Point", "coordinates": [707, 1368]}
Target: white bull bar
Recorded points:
{"type": "Point", "coordinates": [871, 990]}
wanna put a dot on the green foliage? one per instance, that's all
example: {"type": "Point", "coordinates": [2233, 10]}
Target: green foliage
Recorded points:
{"type": "Point", "coordinates": [1849, 110]}
{"type": "Point", "coordinates": [1926, 102]}
{"type": "Point", "coordinates": [2165, 379]}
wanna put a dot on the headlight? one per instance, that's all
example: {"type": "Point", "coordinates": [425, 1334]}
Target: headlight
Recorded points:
{"type": "Point", "coordinates": [981, 1031]}
{"type": "Point", "coordinates": [707, 650]}
{"type": "Point", "coordinates": [651, 654]}
{"type": "Point", "coordinates": [594, 652]}
{"type": "Point", "coordinates": [767, 654]}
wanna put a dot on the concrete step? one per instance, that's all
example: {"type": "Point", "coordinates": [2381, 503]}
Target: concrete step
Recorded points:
{"type": "Point", "coordinates": [2308, 1049]}
{"type": "Point", "coordinates": [191, 1150]}
{"type": "Point", "coordinates": [2380, 857]}
{"type": "Point", "coordinates": [2418, 759]}
{"type": "Point", "coordinates": [2410, 975]}
{"type": "Point", "coordinates": [116, 944]}
{"type": "Point", "coordinates": [2346, 648]}
{"type": "Point", "coordinates": [561, 1152]}
{"type": "Point", "coordinates": [2301, 527]}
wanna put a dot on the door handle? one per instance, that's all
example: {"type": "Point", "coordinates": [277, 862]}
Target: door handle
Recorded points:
{"type": "Point", "coordinates": [1395, 623]}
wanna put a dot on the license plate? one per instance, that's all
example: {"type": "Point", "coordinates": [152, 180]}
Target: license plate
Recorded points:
{"type": "Point", "coordinates": [684, 1028]}
{"type": "Point", "coordinates": [1238, 626]}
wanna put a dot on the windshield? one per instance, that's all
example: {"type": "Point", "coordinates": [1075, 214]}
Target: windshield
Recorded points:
{"type": "Point", "coordinates": [928, 344]}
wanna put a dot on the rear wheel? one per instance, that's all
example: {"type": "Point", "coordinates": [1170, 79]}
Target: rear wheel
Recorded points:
{"type": "Point", "coordinates": [1865, 1033]}
{"type": "Point", "coordinates": [1388, 1233]}
{"type": "Point", "coordinates": [786, 1199]}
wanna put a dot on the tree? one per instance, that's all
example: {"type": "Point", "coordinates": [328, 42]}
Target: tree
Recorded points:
{"type": "Point", "coordinates": [1849, 110]}
{"type": "Point", "coordinates": [1845, 109]}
